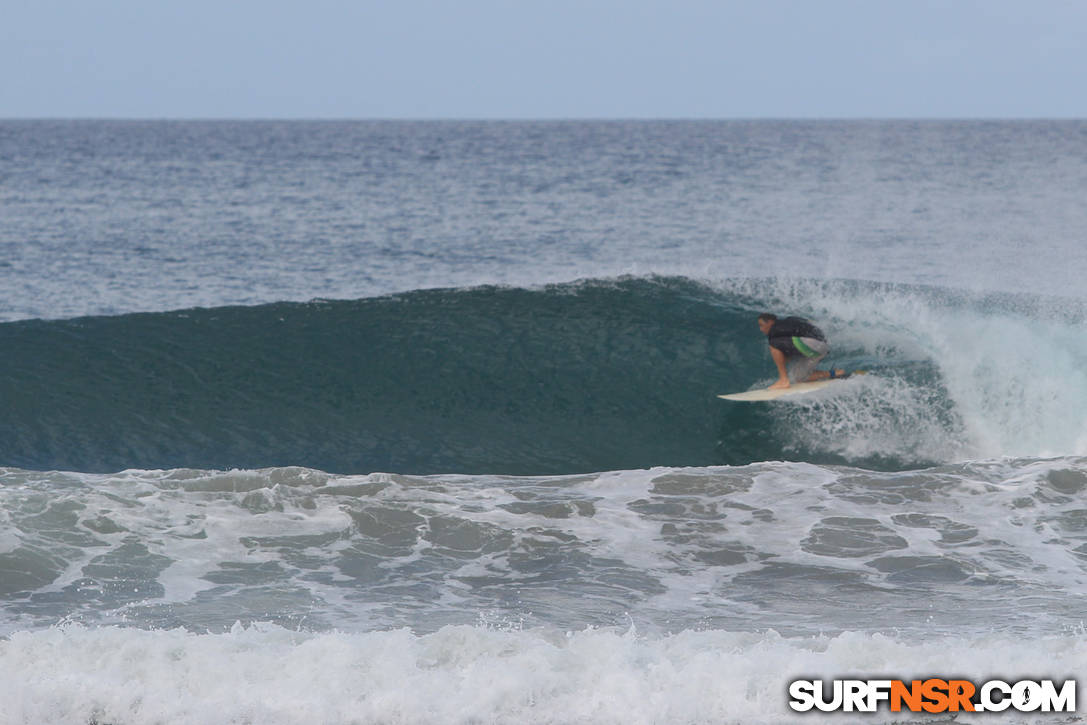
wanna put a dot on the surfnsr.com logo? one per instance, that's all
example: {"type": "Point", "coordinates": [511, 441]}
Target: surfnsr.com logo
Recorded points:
{"type": "Point", "coordinates": [933, 695]}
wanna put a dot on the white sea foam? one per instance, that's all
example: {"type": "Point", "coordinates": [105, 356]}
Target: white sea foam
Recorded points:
{"type": "Point", "coordinates": [269, 675]}
{"type": "Point", "coordinates": [797, 547]}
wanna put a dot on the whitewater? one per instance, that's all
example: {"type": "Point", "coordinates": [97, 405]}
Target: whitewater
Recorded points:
{"type": "Point", "coordinates": [416, 422]}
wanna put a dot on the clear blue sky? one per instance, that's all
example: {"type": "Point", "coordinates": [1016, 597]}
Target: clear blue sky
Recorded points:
{"type": "Point", "coordinates": [543, 59]}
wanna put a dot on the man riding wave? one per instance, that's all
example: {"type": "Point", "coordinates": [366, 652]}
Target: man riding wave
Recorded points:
{"type": "Point", "coordinates": [796, 346]}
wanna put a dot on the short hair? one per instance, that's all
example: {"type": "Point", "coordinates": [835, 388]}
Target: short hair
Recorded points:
{"type": "Point", "coordinates": [768, 317]}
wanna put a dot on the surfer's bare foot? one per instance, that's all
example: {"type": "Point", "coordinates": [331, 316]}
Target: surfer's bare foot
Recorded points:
{"type": "Point", "coordinates": [779, 384]}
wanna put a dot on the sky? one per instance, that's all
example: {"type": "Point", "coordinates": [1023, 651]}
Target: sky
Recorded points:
{"type": "Point", "coordinates": [543, 59]}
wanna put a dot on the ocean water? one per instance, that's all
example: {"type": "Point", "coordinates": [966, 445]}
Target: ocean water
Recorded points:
{"type": "Point", "coordinates": [416, 422]}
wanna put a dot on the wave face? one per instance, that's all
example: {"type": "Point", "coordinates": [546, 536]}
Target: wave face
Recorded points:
{"type": "Point", "coordinates": [590, 376]}
{"type": "Point", "coordinates": [581, 377]}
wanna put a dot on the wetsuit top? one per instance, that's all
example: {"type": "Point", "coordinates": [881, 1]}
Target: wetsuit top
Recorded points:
{"type": "Point", "coordinates": [784, 330]}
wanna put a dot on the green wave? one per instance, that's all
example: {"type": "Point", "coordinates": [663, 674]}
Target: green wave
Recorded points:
{"type": "Point", "coordinates": [588, 376]}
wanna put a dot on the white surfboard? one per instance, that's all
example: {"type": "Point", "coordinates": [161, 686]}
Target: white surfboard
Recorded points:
{"type": "Point", "coordinates": [762, 394]}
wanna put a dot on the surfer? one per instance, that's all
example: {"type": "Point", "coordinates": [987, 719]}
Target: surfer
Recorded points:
{"type": "Point", "coordinates": [796, 346]}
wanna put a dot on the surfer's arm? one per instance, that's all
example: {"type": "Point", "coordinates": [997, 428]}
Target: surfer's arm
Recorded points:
{"type": "Point", "coordinates": [783, 375]}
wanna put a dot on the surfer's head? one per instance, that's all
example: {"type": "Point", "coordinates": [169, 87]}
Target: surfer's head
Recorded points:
{"type": "Point", "coordinates": [766, 321]}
